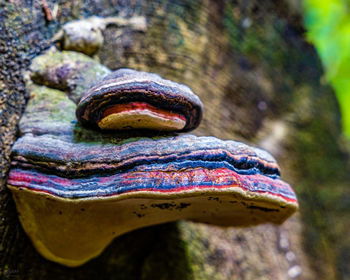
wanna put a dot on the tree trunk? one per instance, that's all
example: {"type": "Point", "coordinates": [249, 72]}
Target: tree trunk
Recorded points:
{"type": "Point", "coordinates": [260, 83]}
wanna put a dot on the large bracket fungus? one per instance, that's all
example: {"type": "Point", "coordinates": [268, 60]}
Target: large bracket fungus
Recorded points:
{"type": "Point", "coordinates": [76, 189]}
{"type": "Point", "coordinates": [74, 198]}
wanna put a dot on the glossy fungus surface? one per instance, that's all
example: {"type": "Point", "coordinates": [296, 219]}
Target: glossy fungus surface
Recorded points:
{"type": "Point", "coordinates": [136, 184]}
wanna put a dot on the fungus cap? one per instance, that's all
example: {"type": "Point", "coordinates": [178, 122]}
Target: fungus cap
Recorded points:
{"type": "Point", "coordinates": [130, 99]}
{"type": "Point", "coordinates": [74, 198]}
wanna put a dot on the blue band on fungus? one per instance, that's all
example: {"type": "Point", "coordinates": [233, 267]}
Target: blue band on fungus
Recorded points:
{"type": "Point", "coordinates": [76, 160]}
{"type": "Point", "coordinates": [136, 180]}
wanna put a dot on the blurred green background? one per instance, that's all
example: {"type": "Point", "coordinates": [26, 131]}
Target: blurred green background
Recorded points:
{"type": "Point", "coordinates": [328, 28]}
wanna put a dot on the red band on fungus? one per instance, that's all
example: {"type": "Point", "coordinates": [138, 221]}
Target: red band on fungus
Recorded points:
{"type": "Point", "coordinates": [141, 106]}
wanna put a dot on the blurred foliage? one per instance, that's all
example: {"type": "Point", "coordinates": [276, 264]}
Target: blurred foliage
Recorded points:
{"type": "Point", "coordinates": [328, 25]}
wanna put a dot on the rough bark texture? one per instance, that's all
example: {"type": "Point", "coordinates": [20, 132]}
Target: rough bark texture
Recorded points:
{"type": "Point", "coordinates": [260, 83]}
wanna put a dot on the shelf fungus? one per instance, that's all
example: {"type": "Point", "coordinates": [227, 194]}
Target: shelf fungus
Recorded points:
{"type": "Point", "coordinates": [76, 189]}
{"type": "Point", "coordinates": [74, 198]}
{"type": "Point", "coordinates": [130, 99]}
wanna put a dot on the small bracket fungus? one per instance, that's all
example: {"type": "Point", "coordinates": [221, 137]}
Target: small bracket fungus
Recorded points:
{"type": "Point", "coordinates": [129, 99]}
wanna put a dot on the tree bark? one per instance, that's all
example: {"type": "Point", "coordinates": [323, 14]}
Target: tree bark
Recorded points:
{"type": "Point", "coordinates": [260, 83]}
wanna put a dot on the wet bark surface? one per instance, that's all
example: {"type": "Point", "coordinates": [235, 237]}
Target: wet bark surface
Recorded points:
{"type": "Point", "coordinates": [260, 82]}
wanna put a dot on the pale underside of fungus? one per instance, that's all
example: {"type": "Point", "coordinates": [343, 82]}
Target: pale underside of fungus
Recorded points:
{"type": "Point", "coordinates": [129, 99]}
{"type": "Point", "coordinates": [76, 189]}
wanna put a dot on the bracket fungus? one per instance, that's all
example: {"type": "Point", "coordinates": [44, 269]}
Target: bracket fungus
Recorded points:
{"type": "Point", "coordinates": [74, 198]}
{"type": "Point", "coordinates": [130, 99]}
{"type": "Point", "coordinates": [77, 189]}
